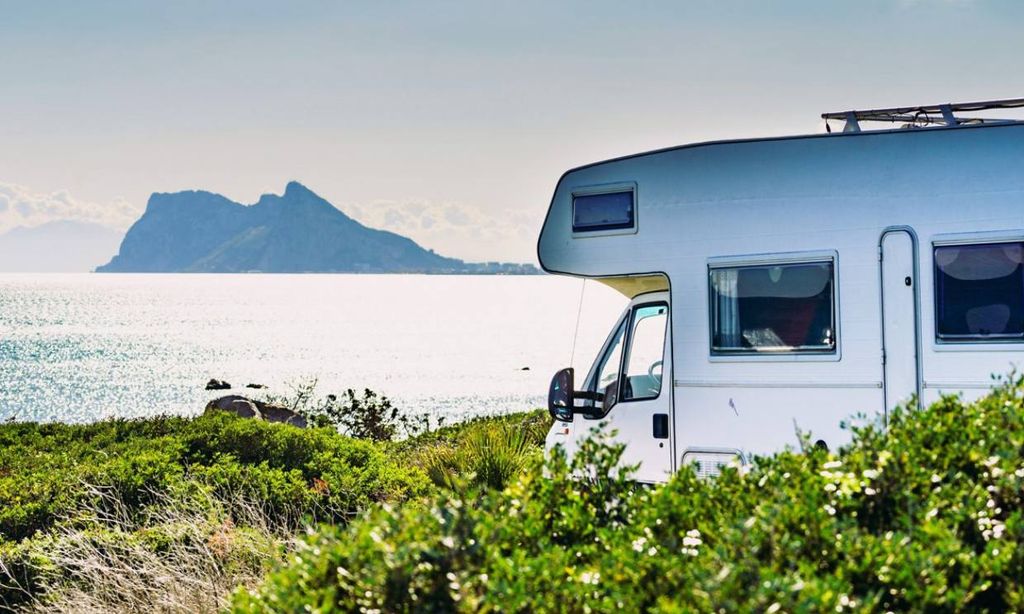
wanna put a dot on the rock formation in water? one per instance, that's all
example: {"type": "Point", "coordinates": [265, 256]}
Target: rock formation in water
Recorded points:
{"type": "Point", "coordinates": [297, 232]}
{"type": "Point", "coordinates": [217, 384]}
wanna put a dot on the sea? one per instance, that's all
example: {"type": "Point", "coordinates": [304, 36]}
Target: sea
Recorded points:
{"type": "Point", "coordinates": [85, 347]}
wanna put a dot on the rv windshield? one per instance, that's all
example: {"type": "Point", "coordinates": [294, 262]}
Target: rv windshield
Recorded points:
{"type": "Point", "coordinates": [608, 369]}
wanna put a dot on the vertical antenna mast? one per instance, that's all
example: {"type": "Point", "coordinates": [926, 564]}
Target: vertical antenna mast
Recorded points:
{"type": "Point", "coordinates": [579, 310]}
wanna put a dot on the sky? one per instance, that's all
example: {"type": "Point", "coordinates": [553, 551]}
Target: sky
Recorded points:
{"type": "Point", "coordinates": [449, 122]}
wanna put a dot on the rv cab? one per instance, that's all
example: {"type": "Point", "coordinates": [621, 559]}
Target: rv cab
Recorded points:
{"type": "Point", "coordinates": [628, 390]}
{"type": "Point", "coordinates": [781, 288]}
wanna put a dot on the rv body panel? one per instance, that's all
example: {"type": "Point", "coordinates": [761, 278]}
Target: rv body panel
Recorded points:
{"type": "Point", "coordinates": [839, 200]}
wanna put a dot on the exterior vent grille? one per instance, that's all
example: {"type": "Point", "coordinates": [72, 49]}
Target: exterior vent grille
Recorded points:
{"type": "Point", "coordinates": [708, 463]}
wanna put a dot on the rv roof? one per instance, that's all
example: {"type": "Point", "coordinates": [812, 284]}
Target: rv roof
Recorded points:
{"type": "Point", "coordinates": [925, 115]}
{"type": "Point", "coordinates": [848, 115]}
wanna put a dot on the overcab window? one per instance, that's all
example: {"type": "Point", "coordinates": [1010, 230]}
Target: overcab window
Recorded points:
{"type": "Point", "coordinates": [605, 211]}
{"type": "Point", "coordinates": [979, 292]}
{"type": "Point", "coordinates": [773, 308]}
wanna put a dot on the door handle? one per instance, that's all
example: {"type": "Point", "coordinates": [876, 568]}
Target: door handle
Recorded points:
{"type": "Point", "coordinates": [661, 426]}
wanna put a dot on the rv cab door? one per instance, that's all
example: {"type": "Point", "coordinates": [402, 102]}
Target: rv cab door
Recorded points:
{"type": "Point", "coordinates": [634, 373]}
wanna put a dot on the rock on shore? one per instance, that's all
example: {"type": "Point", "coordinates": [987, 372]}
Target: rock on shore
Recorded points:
{"type": "Point", "coordinates": [250, 408]}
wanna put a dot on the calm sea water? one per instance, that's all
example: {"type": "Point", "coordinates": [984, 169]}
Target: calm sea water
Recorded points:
{"type": "Point", "coordinates": [83, 347]}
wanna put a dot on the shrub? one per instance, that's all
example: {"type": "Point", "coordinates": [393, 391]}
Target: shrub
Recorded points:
{"type": "Point", "coordinates": [371, 416]}
{"type": "Point", "coordinates": [489, 453]}
{"type": "Point", "coordinates": [79, 502]}
{"type": "Point", "coordinates": [44, 468]}
{"type": "Point", "coordinates": [926, 514]}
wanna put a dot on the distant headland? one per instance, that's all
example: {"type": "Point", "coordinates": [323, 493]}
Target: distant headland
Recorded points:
{"type": "Point", "coordinates": [296, 232]}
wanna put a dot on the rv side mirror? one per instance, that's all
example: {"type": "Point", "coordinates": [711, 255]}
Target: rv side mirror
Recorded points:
{"type": "Point", "coordinates": [560, 395]}
{"type": "Point", "coordinates": [611, 396]}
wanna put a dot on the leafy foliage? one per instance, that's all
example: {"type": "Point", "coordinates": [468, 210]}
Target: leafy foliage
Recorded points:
{"type": "Point", "coordinates": [371, 416]}
{"type": "Point", "coordinates": [925, 514]}
{"type": "Point", "coordinates": [44, 467]}
{"type": "Point", "coordinates": [82, 501]}
{"type": "Point", "coordinates": [489, 452]}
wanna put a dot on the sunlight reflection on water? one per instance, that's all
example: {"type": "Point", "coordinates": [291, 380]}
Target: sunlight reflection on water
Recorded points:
{"type": "Point", "coordinates": [83, 347]}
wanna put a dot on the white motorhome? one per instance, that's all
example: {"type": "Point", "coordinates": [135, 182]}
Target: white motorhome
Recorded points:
{"type": "Point", "coordinates": [790, 283]}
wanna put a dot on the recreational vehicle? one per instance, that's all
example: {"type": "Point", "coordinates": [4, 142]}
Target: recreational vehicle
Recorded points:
{"type": "Point", "coordinates": [784, 284]}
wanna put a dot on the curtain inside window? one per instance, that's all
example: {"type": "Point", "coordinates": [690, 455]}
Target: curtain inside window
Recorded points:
{"type": "Point", "coordinates": [980, 291]}
{"type": "Point", "coordinates": [773, 308]}
{"type": "Point", "coordinates": [728, 308]}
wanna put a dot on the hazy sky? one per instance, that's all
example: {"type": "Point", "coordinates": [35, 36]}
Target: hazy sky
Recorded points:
{"type": "Point", "coordinates": [447, 121]}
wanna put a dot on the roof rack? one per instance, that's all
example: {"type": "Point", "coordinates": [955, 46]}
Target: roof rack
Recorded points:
{"type": "Point", "coordinates": [925, 115]}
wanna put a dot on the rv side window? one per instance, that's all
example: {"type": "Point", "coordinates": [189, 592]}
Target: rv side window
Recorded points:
{"type": "Point", "coordinates": [779, 308]}
{"type": "Point", "coordinates": [979, 292]}
{"type": "Point", "coordinates": [607, 211]}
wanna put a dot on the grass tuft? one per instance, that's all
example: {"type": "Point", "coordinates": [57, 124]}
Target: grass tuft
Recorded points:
{"type": "Point", "coordinates": [187, 553]}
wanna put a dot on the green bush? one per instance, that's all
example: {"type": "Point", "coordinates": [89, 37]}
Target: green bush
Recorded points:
{"type": "Point", "coordinates": [45, 469]}
{"type": "Point", "coordinates": [371, 416]}
{"type": "Point", "coordinates": [107, 488]}
{"type": "Point", "coordinates": [486, 452]}
{"type": "Point", "coordinates": [926, 514]}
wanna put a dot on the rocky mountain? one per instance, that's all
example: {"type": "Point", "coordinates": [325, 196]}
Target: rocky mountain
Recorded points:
{"type": "Point", "coordinates": [57, 247]}
{"type": "Point", "coordinates": [296, 232]}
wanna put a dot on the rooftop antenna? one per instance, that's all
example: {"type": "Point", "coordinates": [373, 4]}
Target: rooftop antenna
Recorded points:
{"type": "Point", "coordinates": [926, 115]}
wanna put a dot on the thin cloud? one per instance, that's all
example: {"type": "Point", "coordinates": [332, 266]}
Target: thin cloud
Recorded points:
{"type": "Point", "coordinates": [916, 4]}
{"type": "Point", "coordinates": [455, 229]}
{"type": "Point", "coordinates": [22, 206]}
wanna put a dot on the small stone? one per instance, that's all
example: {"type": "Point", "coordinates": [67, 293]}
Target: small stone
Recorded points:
{"type": "Point", "coordinates": [217, 384]}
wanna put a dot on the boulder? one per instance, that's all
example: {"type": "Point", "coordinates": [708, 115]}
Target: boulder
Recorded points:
{"type": "Point", "coordinates": [249, 408]}
{"type": "Point", "coordinates": [235, 404]}
{"type": "Point", "coordinates": [244, 408]}
{"type": "Point", "coordinates": [217, 384]}
{"type": "Point", "coordinates": [274, 413]}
